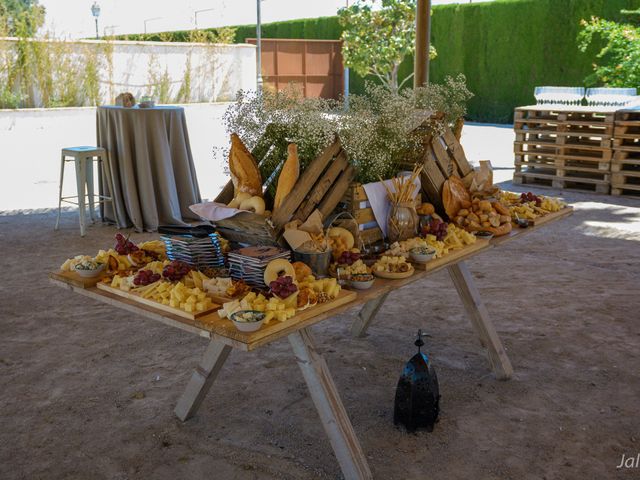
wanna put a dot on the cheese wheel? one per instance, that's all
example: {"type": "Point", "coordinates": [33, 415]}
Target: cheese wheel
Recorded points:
{"type": "Point", "coordinates": [277, 268]}
{"type": "Point", "coordinates": [254, 204]}
{"type": "Point", "coordinates": [343, 233]}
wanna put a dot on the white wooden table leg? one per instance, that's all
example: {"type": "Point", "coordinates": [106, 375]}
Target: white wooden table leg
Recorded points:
{"type": "Point", "coordinates": [202, 379]}
{"type": "Point", "coordinates": [334, 417]}
{"type": "Point", "coordinates": [366, 315]}
{"type": "Point", "coordinates": [479, 316]}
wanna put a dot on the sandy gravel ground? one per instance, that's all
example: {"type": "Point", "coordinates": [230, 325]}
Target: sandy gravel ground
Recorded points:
{"type": "Point", "coordinates": [87, 391]}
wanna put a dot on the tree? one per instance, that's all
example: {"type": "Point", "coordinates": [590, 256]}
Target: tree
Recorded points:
{"type": "Point", "coordinates": [21, 17]}
{"type": "Point", "coordinates": [375, 42]}
{"type": "Point", "coordinates": [618, 62]}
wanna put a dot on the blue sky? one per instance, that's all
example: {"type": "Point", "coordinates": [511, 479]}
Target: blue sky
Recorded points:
{"type": "Point", "coordinates": [72, 18]}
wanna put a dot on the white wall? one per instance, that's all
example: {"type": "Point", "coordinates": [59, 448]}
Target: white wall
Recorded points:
{"type": "Point", "coordinates": [31, 140]}
{"type": "Point", "coordinates": [217, 71]}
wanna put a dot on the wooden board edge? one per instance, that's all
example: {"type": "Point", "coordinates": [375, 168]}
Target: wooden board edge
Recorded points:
{"type": "Point", "coordinates": [157, 306]}
{"type": "Point", "coordinates": [477, 246]}
{"type": "Point", "coordinates": [74, 279]}
{"type": "Point", "coordinates": [250, 341]}
{"type": "Point", "coordinates": [551, 216]}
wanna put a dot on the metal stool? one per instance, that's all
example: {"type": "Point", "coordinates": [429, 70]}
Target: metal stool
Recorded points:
{"type": "Point", "coordinates": [83, 158]}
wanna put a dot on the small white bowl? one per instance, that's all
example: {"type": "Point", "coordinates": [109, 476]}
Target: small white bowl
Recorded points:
{"type": "Point", "coordinates": [484, 235]}
{"type": "Point", "coordinates": [89, 273]}
{"type": "Point", "coordinates": [361, 285]}
{"type": "Point", "coordinates": [245, 326]}
{"type": "Point", "coordinates": [421, 257]}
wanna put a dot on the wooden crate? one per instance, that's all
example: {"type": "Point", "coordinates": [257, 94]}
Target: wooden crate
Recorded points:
{"type": "Point", "coordinates": [357, 204]}
{"type": "Point", "coordinates": [567, 148]}
{"type": "Point", "coordinates": [441, 157]}
{"type": "Point", "coordinates": [321, 185]}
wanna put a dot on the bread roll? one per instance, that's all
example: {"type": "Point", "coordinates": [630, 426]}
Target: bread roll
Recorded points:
{"type": "Point", "coordinates": [253, 204]}
{"type": "Point", "coordinates": [288, 175]}
{"type": "Point", "coordinates": [245, 173]}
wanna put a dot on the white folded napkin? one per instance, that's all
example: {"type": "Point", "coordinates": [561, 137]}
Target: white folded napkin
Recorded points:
{"type": "Point", "coordinates": [379, 201]}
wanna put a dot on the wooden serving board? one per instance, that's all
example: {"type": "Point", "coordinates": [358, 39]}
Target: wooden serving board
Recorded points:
{"type": "Point", "coordinates": [220, 299]}
{"type": "Point", "coordinates": [159, 306]}
{"type": "Point", "coordinates": [551, 216]}
{"type": "Point", "coordinates": [394, 275]}
{"type": "Point", "coordinates": [451, 256]}
{"type": "Point", "coordinates": [225, 328]}
{"type": "Point", "coordinates": [72, 278]}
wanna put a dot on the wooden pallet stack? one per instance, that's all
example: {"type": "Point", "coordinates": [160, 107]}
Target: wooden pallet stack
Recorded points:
{"type": "Point", "coordinates": [568, 148]}
{"type": "Point", "coordinates": [625, 166]}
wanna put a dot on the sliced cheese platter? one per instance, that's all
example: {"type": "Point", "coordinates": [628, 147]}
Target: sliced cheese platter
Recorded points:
{"type": "Point", "coordinates": [193, 314]}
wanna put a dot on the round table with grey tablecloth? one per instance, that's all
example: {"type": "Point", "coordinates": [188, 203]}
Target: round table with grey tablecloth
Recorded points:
{"type": "Point", "coordinates": [153, 173]}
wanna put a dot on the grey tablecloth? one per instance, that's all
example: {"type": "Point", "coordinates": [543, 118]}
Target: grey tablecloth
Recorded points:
{"type": "Point", "coordinates": [155, 179]}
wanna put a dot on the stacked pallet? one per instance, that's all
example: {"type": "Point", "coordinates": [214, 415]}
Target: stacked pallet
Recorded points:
{"type": "Point", "coordinates": [568, 148]}
{"type": "Point", "coordinates": [625, 166]}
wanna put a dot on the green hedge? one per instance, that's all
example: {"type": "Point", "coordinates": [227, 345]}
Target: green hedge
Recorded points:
{"type": "Point", "coordinates": [505, 47]}
{"type": "Point", "coordinates": [321, 28]}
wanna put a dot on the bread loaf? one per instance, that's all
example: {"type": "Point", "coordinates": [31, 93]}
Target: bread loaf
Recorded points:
{"type": "Point", "coordinates": [288, 175]}
{"type": "Point", "coordinates": [245, 173]}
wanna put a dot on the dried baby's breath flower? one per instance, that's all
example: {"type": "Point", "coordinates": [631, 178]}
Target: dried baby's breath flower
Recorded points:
{"type": "Point", "coordinates": [378, 131]}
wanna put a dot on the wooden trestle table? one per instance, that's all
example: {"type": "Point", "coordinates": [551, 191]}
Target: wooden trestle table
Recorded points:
{"type": "Point", "coordinates": [223, 338]}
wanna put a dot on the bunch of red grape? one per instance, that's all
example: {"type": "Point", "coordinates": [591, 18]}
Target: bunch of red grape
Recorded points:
{"type": "Point", "coordinates": [530, 197]}
{"type": "Point", "coordinates": [145, 277]}
{"type": "Point", "coordinates": [124, 246]}
{"type": "Point", "coordinates": [435, 227]}
{"type": "Point", "coordinates": [175, 270]}
{"type": "Point", "coordinates": [283, 286]}
{"type": "Point", "coordinates": [348, 258]}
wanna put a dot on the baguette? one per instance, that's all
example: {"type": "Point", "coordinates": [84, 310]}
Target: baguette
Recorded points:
{"type": "Point", "coordinates": [245, 173]}
{"type": "Point", "coordinates": [288, 175]}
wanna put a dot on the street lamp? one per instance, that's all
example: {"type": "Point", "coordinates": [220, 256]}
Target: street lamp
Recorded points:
{"type": "Point", "coordinates": [95, 11]}
{"type": "Point", "coordinates": [201, 11]}
{"type": "Point", "coordinates": [150, 20]}
{"type": "Point", "coordinates": [259, 44]}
